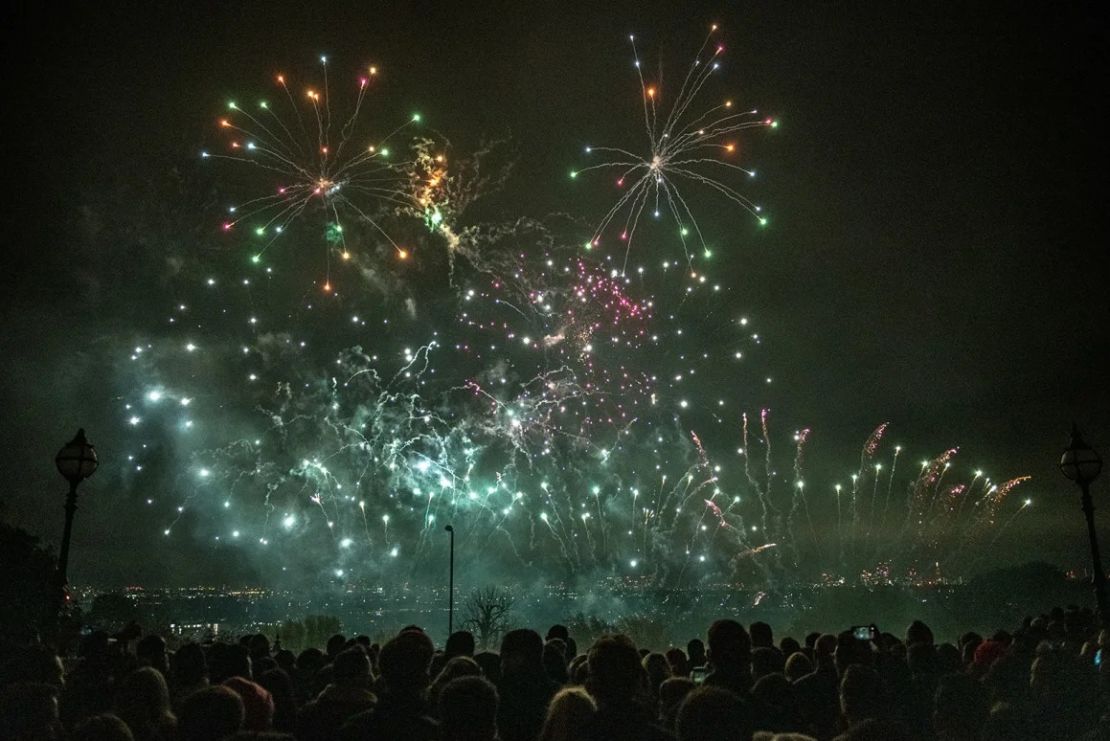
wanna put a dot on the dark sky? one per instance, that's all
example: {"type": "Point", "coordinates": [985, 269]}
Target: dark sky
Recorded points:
{"type": "Point", "coordinates": [937, 252]}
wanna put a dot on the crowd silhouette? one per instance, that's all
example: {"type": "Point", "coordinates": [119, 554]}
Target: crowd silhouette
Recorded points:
{"type": "Point", "coordinates": [1043, 680]}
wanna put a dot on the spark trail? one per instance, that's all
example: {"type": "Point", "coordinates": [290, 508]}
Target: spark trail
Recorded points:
{"type": "Point", "coordinates": [685, 146]}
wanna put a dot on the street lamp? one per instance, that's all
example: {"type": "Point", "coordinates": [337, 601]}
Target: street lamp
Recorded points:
{"type": "Point", "coordinates": [1082, 464]}
{"type": "Point", "coordinates": [76, 461]}
{"type": "Point", "coordinates": [451, 584]}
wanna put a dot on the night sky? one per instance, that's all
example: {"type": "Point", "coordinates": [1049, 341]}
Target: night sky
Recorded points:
{"type": "Point", "coordinates": [935, 256]}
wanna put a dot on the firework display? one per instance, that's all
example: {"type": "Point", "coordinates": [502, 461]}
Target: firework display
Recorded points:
{"type": "Point", "coordinates": [558, 406]}
{"type": "Point", "coordinates": [684, 147]}
{"type": "Point", "coordinates": [318, 161]}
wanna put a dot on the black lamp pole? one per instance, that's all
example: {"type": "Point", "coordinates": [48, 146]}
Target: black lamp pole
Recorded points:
{"type": "Point", "coordinates": [451, 584]}
{"type": "Point", "coordinates": [63, 554]}
{"type": "Point", "coordinates": [1082, 464]}
{"type": "Point", "coordinates": [1096, 558]}
{"type": "Point", "coordinates": [76, 461]}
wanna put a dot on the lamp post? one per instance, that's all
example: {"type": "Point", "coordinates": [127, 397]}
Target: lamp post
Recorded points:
{"type": "Point", "coordinates": [76, 461]}
{"type": "Point", "coordinates": [1082, 464]}
{"type": "Point", "coordinates": [451, 584]}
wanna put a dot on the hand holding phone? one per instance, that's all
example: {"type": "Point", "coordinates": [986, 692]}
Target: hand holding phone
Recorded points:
{"type": "Point", "coordinates": [865, 632]}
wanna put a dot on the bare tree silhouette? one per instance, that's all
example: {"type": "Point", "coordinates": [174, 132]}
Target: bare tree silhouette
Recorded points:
{"type": "Point", "coordinates": [487, 614]}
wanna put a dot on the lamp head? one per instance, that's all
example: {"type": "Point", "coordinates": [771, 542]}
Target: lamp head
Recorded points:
{"type": "Point", "coordinates": [1080, 462]}
{"type": "Point", "coordinates": [76, 460]}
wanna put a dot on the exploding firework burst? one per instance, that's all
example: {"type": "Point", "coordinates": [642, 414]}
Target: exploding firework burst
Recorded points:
{"type": "Point", "coordinates": [318, 162]}
{"type": "Point", "coordinates": [684, 147]}
{"type": "Point", "coordinates": [583, 328]}
{"type": "Point", "coordinates": [559, 411]}
{"type": "Point", "coordinates": [533, 403]}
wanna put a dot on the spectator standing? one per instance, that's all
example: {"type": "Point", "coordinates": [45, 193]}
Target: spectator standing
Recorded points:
{"type": "Point", "coordinates": [671, 694]}
{"type": "Point", "coordinates": [188, 672]}
{"type": "Point", "coordinates": [729, 657]}
{"type": "Point", "coordinates": [695, 652]}
{"type": "Point", "coordinates": [210, 714]}
{"type": "Point", "coordinates": [347, 695]}
{"type": "Point", "coordinates": [105, 727]}
{"type": "Point", "coordinates": [525, 689]}
{"type": "Point", "coordinates": [468, 710]}
{"type": "Point", "coordinates": [713, 714]}
{"type": "Point", "coordinates": [143, 703]}
{"type": "Point", "coordinates": [568, 714]}
{"type": "Point", "coordinates": [401, 711]}
{"type": "Point", "coordinates": [258, 704]}
{"type": "Point", "coordinates": [459, 643]}
{"type": "Point", "coordinates": [618, 683]}
{"type": "Point", "coordinates": [458, 666]}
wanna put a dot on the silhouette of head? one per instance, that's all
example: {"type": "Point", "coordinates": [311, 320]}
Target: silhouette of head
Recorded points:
{"type": "Point", "coordinates": [555, 660]}
{"type": "Point", "coordinates": [861, 694]}
{"type": "Point", "coordinates": [459, 666]}
{"type": "Point", "coordinates": [142, 698]}
{"type": "Point", "coordinates": [211, 713]}
{"type": "Point", "coordinates": [671, 694]}
{"type": "Point", "coordinates": [258, 704]}
{"type": "Point", "coordinates": [459, 643]}
{"type": "Point", "coordinates": [491, 665]}
{"type": "Point", "coordinates": [105, 727]}
{"type": "Point", "coordinates": [189, 665]}
{"type": "Point", "coordinates": [850, 651]}
{"type": "Point", "coordinates": [309, 661]}
{"type": "Point", "coordinates": [404, 661]}
{"type": "Point", "coordinates": [151, 651]}
{"type": "Point", "coordinates": [468, 710]}
{"type": "Point", "coordinates": [657, 668]}
{"type": "Point", "coordinates": [335, 644]}
{"type": "Point", "coordinates": [259, 646]}
{"type": "Point", "coordinates": [557, 631]}
{"type": "Point", "coordinates": [919, 632]}
{"type": "Point", "coordinates": [776, 702]}
{"type": "Point", "coordinates": [711, 714]}
{"type": "Point", "coordinates": [960, 707]}
{"type": "Point", "coordinates": [680, 665]}
{"type": "Point", "coordinates": [797, 666]}
{"type": "Point", "coordinates": [766, 660]}
{"type": "Point", "coordinates": [567, 715]}
{"type": "Point", "coordinates": [226, 661]}
{"type": "Point", "coordinates": [824, 648]}
{"type": "Point", "coordinates": [761, 635]}
{"type": "Point", "coordinates": [695, 651]}
{"type": "Point", "coordinates": [729, 645]}
{"type": "Point", "coordinates": [521, 650]}
{"type": "Point", "coordinates": [351, 667]}
{"type": "Point", "coordinates": [615, 672]}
